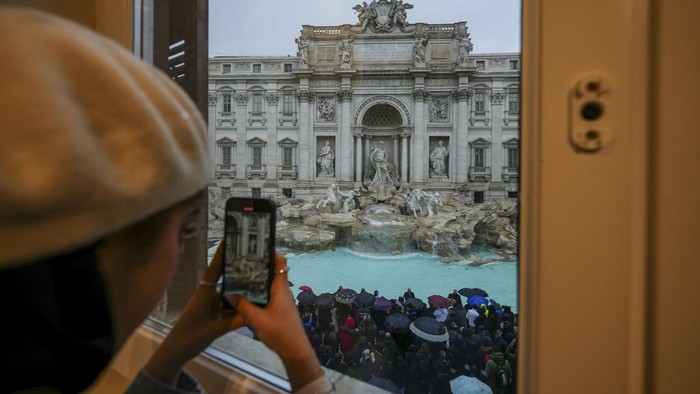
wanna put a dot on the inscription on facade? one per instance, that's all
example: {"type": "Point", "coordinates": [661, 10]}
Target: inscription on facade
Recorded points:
{"type": "Point", "coordinates": [326, 54]}
{"type": "Point", "coordinates": [440, 52]}
{"type": "Point", "coordinates": [376, 52]}
{"type": "Point", "coordinates": [383, 82]}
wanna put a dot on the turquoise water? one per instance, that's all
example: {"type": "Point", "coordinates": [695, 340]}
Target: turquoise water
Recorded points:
{"type": "Point", "coordinates": [391, 275]}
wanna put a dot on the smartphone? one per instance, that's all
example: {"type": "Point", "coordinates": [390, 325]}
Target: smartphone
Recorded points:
{"type": "Point", "coordinates": [249, 249]}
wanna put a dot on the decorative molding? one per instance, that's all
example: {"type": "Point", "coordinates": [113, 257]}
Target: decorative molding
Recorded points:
{"type": "Point", "coordinates": [382, 16]}
{"type": "Point", "coordinates": [241, 99]}
{"type": "Point", "coordinates": [212, 98]}
{"type": "Point", "coordinates": [272, 99]}
{"type": "Point", "coordinates": [325, 109]}
{"type": "Point", "coordinates": [497, 97]}
{"type": "Point", "coordinates": [439, 109]}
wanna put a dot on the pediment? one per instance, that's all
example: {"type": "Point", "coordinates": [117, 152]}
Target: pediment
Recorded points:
{"type": "Point", "coordinates": [225, 141]}
{"type": "Point", "coordinates": [287, 142]}
{"type": "Point", "coordinates": [256, 142]}
{"type": "Point", "coordinates": [480, 142]}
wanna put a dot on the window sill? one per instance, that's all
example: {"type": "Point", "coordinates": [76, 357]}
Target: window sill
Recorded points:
{"type": "Point", "coordinates": [216, 371]}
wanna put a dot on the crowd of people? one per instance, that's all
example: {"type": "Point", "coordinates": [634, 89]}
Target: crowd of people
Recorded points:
{"type": "Point", "coordinates": [354, 339]}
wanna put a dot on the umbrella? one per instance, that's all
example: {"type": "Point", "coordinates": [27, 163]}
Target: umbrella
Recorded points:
{"type": "Point", "coordinates": [477, 300]}
{"type": "Point", "coordinates": [306, 298]}
{"type": "Point", "coordinates": [438, 301]}
{"type": "Point", "coordinates": [325, 300]}
{"type": "Point", "coordinates": [345, 296]}
{"type": "Point", "coordinates": [365, 299]}
{"type": "Point", "coordinates": [429, 329]}
{"type": "Point", "coordinates": [469, 385]}
{"type": "Point", "coordinates": [397, 323]}
{"type": "Point", "coordinates": [305, 288]}
{"type": "Point", "coordinates": [494, 303]}
{"type": "Point", "coordinates": [382, 304]}
{"type": "Point", "coordinates": [468, 291]}
{"type": "Point", "coordinates": [290, 283]}
{"type": "Point", "coordinates": [415, 302]}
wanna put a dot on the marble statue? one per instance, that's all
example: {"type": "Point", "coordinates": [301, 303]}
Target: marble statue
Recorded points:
{"type": "Point", "coordinates": [419, 49]}
{"type": "Point", "coordinates": [382, 15]}
{"type": "Point", "coordinates": [330, 200]}
{"type": "Point", "coordinates": [414, 201]}
{"type": "Point", "coordinates": [303, 50]}
{"type": "Point", "coordinates": [348, 200]}
{"type": "Point", "coordinates": [345, 52]}
{"type": "Point", "coordinates": [433, 202]}
{"type": "Point", "coordinates": [465, 48]}
{"type": "Point", "coordinates": [438, 158]}
{"type": "Point", "coordinates": [364, 13]}
{"type": "Point", "coordinates": [327, 160]}
{"type": "Point", "coordinates": [381, 165]}
{"type": "Point", "coordinates": [326, 111]}
{"type": "Point", "coordinates": [398, 13]}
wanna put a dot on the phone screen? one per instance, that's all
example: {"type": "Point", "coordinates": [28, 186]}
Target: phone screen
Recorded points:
{"type": "Point", "coordinates": [249, 249]}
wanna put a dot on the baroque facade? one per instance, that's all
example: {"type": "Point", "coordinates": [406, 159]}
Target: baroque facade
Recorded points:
{"type": "Point", "coordinates": [444, 119]}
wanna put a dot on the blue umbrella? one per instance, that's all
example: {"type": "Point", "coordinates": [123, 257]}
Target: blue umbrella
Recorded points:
{"type": "Point", "coordinates": [477, 300]}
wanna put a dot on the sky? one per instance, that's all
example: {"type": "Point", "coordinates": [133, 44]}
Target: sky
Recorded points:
{"type": "Point", "coordinates": [268, 27]}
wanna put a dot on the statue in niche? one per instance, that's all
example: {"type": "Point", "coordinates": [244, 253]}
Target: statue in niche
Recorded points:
{"type": "Point", "coordinates": [327, 160]}
{"type": "Point", "coordinates": [419, 49]}
{"type": "Point", "coordinates": [345, 52]}
{"type": "Point", "coordinates": [381, 165]}
{"type": "Point", "coordinates": [326, 111]}
{"type": "Point", "coordinates": [303, 50]}
{"type": "Point", "coordinates": [438, 109]}
{"type": "Point", "coordinates": [465, 48]}
{"type": "Point", "coordinates": [438, 160]}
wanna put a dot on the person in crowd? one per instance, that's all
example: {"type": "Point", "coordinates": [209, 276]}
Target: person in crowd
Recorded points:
{"type": "Point", "coordinates": [472, 314]}
{"type": "Point", "coordinates": [456, 297]}
{"type": "Point", "coordinates": [498, 373]}
{"type": "Point", "coordinates": [408, 294]}
{"type": "Point", "coordinates": [95, 199]}
{"type": "Point", "coordinates": [348, 334]}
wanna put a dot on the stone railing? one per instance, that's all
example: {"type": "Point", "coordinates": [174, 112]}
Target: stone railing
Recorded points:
{"type": "Point", "coordinates": [440, 28]}
{"type": "Point", "coordinates": [480, 172]}
{"type": "Point", "coordinates": [225, 114]}
{"type": "Point", "coordinates": [228, 170]}
{"type": "Point", "coordinates": [326, 30]}
{"type": "Point", "coordinates": [482, 116]}
{"type": "Point", "coordinates": [256, 169]}
{"type": "Point", "coordinates": [287, 170]}
{"type": "Point", "coordinates": [510, 172]}
{"type": "Point", "coordinates": [511, 116]}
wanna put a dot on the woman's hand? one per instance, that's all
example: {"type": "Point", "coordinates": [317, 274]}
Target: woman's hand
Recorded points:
{"type": "Point", "coordinates": [279, 326]}
{"type": "Point", "coordinates": [199, 324]}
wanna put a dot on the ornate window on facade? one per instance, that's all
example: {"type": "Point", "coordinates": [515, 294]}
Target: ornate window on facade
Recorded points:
{"type": "Point", "coordinates": [256, 167]}
{"type": "Point", "coordinates": [382, 115]}
{"type": "Point", "coordinates": [286, 159]}
{"type": "Point", "coordinates": [226, 69]}
{"type": "Point", "coordinates": [225, 148]}
{"type": "Point", "coordinates": [479, 169]}
{"type": "Point", "coordinates": [226, 103]}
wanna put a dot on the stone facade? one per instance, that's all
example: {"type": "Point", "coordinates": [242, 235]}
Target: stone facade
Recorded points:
{"type": "Point", "coordinates": [296, 124]}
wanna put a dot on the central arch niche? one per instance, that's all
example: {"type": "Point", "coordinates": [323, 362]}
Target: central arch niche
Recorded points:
{"type": "Point", "coordinates": [382, 119]}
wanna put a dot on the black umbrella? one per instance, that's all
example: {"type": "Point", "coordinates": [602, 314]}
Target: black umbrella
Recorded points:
{"type": "Point", "coordinates": [324, 300]}
{"type": "Point", "coordinates": [397, 323]}
{"type": "Point", "coordinates": [415, 303]}
{"type": "Point", "coordinates": [468, 291]}
{"type": "Point", "coordinates": [429, 329]}
{"type": "Point", "coordinates": [365, 299]}
{"type": "Point", "coordinates": [306, 298]}
{"type": "Point", "coordinates": [494, 303]}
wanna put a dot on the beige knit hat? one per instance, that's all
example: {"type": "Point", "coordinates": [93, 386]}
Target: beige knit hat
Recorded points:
{"type": "Point", "coordinates": [91, 138]}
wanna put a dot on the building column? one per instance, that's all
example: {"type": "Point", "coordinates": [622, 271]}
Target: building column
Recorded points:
{"type": "Point", "coordinates": [496, 159]}
{"type": "Point", "coordinates": [344, 149]}
{"type": "Point", "coordinates": [404, 157]}
{"type": "Point", "coordinates": [462, 142]}
{"type": "Point", "coordinates": [241, 145]}
{"type": "Point", "coordinates": [419, 137]}
{"type": "Point", "coordinates": [272, 156]}
{"type": "Point", "coordinates": [358, 157]}
{"type": "Point", "coordinates": [211, 133]}
{"type": "Point", "coordinates": [305, 135]}
{"type": "Point", "coordinates": [395, 137]}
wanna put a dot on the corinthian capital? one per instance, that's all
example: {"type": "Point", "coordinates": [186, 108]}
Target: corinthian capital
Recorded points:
{"type": "Point", "coordinates": [272, 99]}
{"type": "Point", "coordinates": [345, 95]}
{"type": "Point", "coordinates": [420, 95]}
{"type": "Point", "coordinates": [305, 96]}
{"type": "Point", "coordinates": [462, 94]}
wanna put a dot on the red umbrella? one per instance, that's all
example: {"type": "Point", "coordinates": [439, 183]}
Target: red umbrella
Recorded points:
{"type": "Point", "coordinates": [305, 288]}
{"type": "Point", "coordinates": [438, 301]}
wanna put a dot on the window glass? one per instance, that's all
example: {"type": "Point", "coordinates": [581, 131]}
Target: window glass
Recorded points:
{"type": "Point", "coordinates": [227, 69]}
{"type": "Point", "coordinates": [226, 155]}
{"type": "Point", "coordinates": [377, 120]}
{"type": "Point", "coordinates": [227, 103]}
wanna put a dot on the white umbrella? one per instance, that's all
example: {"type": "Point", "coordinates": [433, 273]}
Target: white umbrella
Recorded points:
{"type": "Point", "coordinates": [467, 385]}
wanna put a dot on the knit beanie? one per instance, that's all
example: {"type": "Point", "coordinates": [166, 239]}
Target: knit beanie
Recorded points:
{"type": "Point", "coordinates": [92, 139]}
